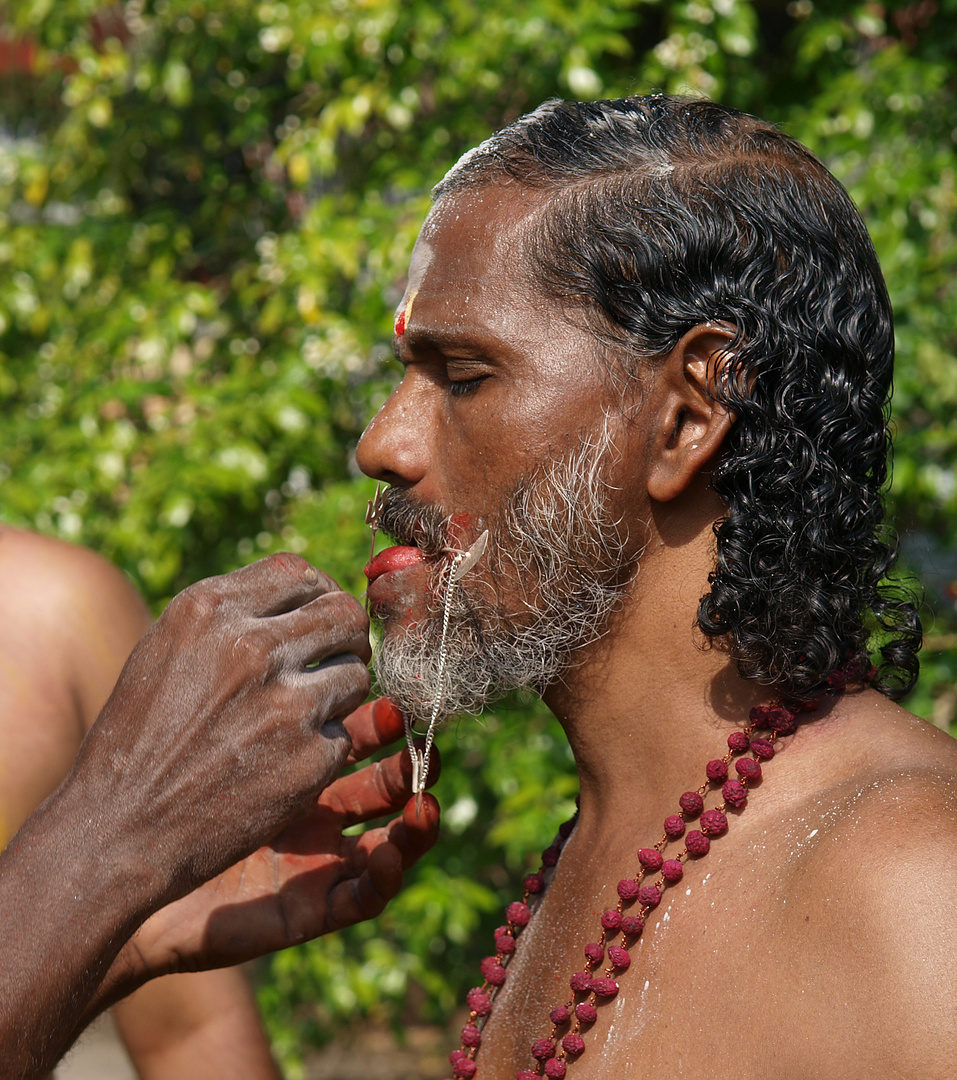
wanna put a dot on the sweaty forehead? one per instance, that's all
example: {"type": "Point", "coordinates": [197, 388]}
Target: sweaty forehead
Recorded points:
{"type": "Point", "coordinates": [471, 250]}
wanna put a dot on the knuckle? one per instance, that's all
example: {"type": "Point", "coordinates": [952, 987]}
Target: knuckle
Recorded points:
{"type": "Point", "coordinates": [286, 560]}
{"type": "Point", "coordinates": [254, 651]}
{"type": "Point", "coordinates": [342, 609]}
{"type": "Point", "coordinates": [198, 603]}
{"type": "Point", "coordinates": [298, 567]}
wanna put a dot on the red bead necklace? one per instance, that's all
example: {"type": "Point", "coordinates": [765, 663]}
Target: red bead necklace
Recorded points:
{"type": "Point", "coordinates": [597, 982]}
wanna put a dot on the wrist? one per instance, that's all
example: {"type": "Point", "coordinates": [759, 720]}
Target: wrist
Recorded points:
{"type": "Point", "coordinates": [71, 895]}
{"type": "Point", "coordinates": [103, 865]}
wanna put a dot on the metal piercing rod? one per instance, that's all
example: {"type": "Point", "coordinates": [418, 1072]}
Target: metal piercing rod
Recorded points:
{"type": "Point", "coordinates": [462, 562]}
{"type": "Point", "coordinates": [373, 511]}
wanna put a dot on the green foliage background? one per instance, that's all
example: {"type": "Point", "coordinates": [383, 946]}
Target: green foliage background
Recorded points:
{"type": "Point", "coordinates": [206, 208]}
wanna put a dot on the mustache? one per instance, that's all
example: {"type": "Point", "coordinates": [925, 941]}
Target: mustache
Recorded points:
{"type": "Point", "coordinates": [411, 522]}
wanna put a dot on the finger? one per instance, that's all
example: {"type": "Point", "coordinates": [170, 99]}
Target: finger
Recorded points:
{"type": "Point", "coordinates": [385, 870]}
{"type": "Point", "coordinates": [331, 752]}
{"type": "Point", "coordinates": [378, 789]}
{"type": "Point", "coordinates": [416, 831]}
{"type": "Point", "coordinates": [364, 896]}
{"type": "Point", "coordinates": [372, 726]}
{"type": "Point", "coordinates": [324, 627]}
{"type": "Point", "coordinates": [271, 586]}
{"type": "Point", "coordinates": [336, 688]}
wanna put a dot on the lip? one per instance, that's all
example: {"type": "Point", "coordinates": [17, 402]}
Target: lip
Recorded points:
{"type": "Point", "coordinates": [399, 557]}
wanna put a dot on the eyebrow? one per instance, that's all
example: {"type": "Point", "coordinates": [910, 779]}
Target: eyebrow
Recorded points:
{"type": "Point", "coordinates": [445, 341]}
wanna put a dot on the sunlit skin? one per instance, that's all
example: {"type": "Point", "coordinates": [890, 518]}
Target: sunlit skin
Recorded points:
{"type": "Point", "coordinates": [793, 949]}
{"type": "Point", "coordinates": [203, 817]}
{"type": "Point", "coordinates": [68, 621]}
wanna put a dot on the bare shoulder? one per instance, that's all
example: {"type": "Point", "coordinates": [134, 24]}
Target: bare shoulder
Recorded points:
{"type": "Point", "coordinates": [67, 609]}
{"type": "Point", "coordinates": [889, 798]}
{"type": "Point", "coordinates": [42, 575]}
{"type": "Point", "coordinates": [871, 880]}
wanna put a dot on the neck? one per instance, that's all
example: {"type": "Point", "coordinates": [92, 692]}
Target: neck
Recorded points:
{"type": "Point", "coordinates": [646, 705]}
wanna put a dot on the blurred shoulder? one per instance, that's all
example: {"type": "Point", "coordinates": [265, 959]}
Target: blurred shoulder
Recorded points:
{"type": "Point", "coordinates": [41, 574]}
{"type": "Point", "coordinates": [68, 618]}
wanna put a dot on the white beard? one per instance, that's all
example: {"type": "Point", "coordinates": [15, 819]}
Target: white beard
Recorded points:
{"type": "Point", "coordinates": [562, 550]}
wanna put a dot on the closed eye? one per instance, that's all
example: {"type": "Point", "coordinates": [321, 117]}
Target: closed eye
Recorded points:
{"type": "Point", "coordinates": [463, 387]}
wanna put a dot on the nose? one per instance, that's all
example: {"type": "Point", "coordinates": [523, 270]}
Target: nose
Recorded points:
{"type": "Point", "coordinates": [394, 447]}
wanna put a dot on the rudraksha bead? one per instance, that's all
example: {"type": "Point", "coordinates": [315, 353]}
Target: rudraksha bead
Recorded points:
{"type": "Point", "coordinates": [543, 1049]}
{"type": "Point", "coordinates": [504, 942]}
{"type": "Point", "coordinates": [628, 889]}
{"type": "Point", "coordinates": [717, 770]}
{"type": "Point", "coordinates": [464, 1069]}
{"type": "Point", "coordinates": [573, 1043]}
{"type": "Point", "coordinates": [586, 1012]}
{"type": "Point", "coordinates": [559, 1015]}
{"type": "Point", "coordinates": [555, 1069]}
{"type": "Point", "coordinates": [618, 957]}
{"type": "Point", "coordinates": [580, 981]}
{"type": "Point", "coordinates": [697, 843]}
{"type": "Point", "coordinates": [781, 720]}
{"type": "Point", "coordinates": [492, 971]}
{"type": "Point", "coordinates": [534, 884]}
{"type": "Point", "coordinates": [518, 913]}
{"type": "Point", "coordinates": [632, 925]}
{"type": "Point", "coordinates": [671, 871]}
{"type": "Point", "coordinates": [471, 1036]}
{"type": "Point", "coordinates": [713, 823]}
{"type": "Point", "coordinates": [610, 919]}
{"type": "Point", "coordinates": [759, 715]}
{"type": "Point", "coordinates": [737, 741]}
{"type": "Point", "coordinates": [650, 858]}
{"type": "Point", "coordinates": [604, 987]}
{"type": "Point", "coordinates": [550, 855]}
{"type": "Point", "coordinates": [649, 896]}
{"type": "Point", "coordinates": [594, 953]}
{"type": "Point", "coordinates": [734, 793]}
{"type": "Point", "coordinates": [478, 1001]}
{"type": "Point", "coordinates": [674, 826]}
{"type": "Point", "coordinates": [691, 803]}
{"type": "Point", "coordinates": [762, 748]}
{"type": "Point", "coordinates": [748, 769]}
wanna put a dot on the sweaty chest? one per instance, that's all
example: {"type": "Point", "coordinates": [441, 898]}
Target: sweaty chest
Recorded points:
{"type": "Point", "coordinates": [700, 975]}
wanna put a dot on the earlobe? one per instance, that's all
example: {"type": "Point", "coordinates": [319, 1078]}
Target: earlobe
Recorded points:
{"type": "Point", "coordinates": [692, 425]}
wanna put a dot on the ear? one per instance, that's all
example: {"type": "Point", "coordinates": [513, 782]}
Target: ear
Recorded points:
{"type": "Point", "coordinates": [691, 426]}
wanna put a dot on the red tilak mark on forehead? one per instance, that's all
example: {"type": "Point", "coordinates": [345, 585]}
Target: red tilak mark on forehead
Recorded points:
{"type": "Point", "coordinates": [402, 319]}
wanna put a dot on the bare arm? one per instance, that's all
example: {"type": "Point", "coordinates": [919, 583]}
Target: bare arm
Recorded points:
{"type": "Point", "coordinates": [68, 622]}
{"type": "Point", "coordinates": [204, 1026]}
{"type": "Point", "coordinates": [217, 733]}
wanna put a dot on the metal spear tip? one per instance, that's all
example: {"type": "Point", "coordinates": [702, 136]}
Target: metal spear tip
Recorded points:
{"type": "Point", "coordinates": [465, 562]}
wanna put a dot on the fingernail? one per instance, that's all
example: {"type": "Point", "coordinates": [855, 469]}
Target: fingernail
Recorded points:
{"type": "Point", "coordinates": [310, 575]}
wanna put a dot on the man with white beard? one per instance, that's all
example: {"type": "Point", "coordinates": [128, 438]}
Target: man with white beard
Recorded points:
{"type": "Point", "coordinates": [653, 334]}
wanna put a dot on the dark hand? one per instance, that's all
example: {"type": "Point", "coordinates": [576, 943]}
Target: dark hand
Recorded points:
{"type": "Point", "coordinates": [310, 879]}
{"type": "Point", "coordinates": [226, 721]}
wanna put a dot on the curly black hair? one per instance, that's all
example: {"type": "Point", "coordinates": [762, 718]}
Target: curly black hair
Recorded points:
{"type": "Point", "coordinates": [665, 213]}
